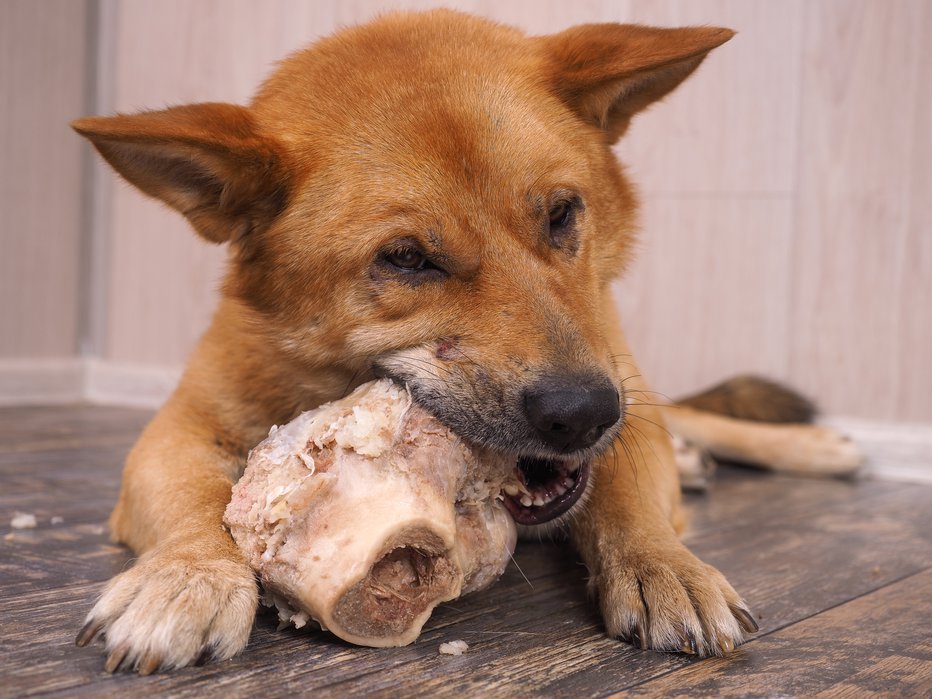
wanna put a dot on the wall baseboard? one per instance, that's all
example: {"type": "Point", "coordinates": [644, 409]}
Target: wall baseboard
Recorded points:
{"type": "Point", "coordinates": [132, 385]}
{"type": "Point", "coordinates": [41, 381]}
{"type": "Point", "coordinates": [895, 451]}
{"type": "Point", "coordinates": [61, 381]}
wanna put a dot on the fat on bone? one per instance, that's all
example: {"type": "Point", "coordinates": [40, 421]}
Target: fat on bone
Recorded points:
{"type": "Point", "coordinates": [367, 513]}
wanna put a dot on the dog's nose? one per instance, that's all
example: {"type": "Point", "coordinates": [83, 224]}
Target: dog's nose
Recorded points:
{"type": "Point", "coordinates": [571, 413]}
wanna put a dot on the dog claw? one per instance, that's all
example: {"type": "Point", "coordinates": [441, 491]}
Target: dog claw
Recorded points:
{"type": "Point", "coordinates": [745, 619]}
{"type": "Point", "coordinates": [204, 657]}
{"type": "Point", "coordinates": [149, 664]}
{"type": "Point", "coordinates": [727, 645]}
{"type": "Point", "coordinates": [639, 637]}
{"type": "Point", "coordinates": [88, 632]}
{"type": "Point", "coordinates": [642, 633]}
{"type": "Point", "coordinates": [690, 645]}
{"type": "Point", "coordinates": [116, 658]}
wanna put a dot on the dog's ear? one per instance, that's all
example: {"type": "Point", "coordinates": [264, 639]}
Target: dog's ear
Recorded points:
{"type": "Point", "coordinates": [608, 72]}
{"type": "Point", "coordinates": [205, 160]}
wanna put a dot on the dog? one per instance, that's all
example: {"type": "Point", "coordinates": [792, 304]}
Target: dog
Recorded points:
{"type": "Point", "coordinates": [429, 197]}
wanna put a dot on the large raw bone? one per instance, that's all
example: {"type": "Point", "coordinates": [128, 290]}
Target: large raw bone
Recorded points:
{"type": "Point", "coordinates": [367, 513]}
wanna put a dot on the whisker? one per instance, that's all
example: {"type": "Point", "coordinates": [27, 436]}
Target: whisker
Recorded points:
{"type": "Point", "coordinates": [638, 436]}
{"type": "Point", "coordinates": [521, 571]}
{"type": "Point", "coordinates": [652, 422]}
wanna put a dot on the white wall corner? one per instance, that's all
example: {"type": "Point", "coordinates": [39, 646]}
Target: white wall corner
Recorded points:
{"type": "Point", "coordinates": [41, 381]}
{"type": "Point", "coordinates": [894, 451]}
{"type": "Point", "coordinates": [132, 385]}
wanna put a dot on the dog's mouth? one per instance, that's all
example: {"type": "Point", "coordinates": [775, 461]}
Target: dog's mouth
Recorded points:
{"type": "Point", "coordinates": [544, 489]}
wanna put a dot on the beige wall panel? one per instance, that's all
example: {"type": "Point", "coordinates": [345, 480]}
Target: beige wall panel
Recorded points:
{"type": "Point", "coordinates": [163, 279]}
{"type": "Point", "coordinates": [787, 227]}
{"type": "Point", "coordinates": [853, 251]}
{"type": "Point", "coordinates": [731, 126]}
{"type": "Point", "coordinates": [42, 71]}
{"type": "Point", "coordinates": [915, 303]}
{"type": "Point", "coordinates": [706, 297]}
{"type": "Point", "coordinates": [532, 16]}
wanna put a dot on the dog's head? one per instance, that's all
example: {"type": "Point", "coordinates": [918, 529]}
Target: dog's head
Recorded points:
{"type": "Point", "coordinates": [433, 197]}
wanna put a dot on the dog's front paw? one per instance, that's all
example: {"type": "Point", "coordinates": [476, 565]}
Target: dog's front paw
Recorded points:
{"type": "Point", "coordinates": [173, 609]}
{"type": "Point", "coordinates": [670, 600]}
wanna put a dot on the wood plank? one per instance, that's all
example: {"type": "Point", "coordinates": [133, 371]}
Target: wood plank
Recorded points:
{"type": "Point", "coordinates": [27, 428]}
{"type": "Point", "coordinates": [794, 548]}
{"type": "Point", "coordinates": [875, 645]}
{"type": "Point", "coordinates": [733, 500]}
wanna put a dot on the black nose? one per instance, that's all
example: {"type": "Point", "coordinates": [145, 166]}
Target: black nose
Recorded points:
{"type": "Point", "coordinates": [570, 413]}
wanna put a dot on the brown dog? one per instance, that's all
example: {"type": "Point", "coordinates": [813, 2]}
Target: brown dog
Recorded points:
{"type": "Point", "coordinates": [430, 197]}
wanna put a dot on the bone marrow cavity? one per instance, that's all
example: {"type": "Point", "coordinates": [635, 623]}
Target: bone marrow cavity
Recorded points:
{"type": "Point", "coordinates": [402, 585]}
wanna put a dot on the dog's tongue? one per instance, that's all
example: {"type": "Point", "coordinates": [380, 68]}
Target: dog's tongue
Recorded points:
{"type": "Point", "coordinates": [548, 489]}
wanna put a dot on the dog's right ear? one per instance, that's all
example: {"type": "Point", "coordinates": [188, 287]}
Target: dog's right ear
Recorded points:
{"type": "Point", "coordinates": [206, 160]}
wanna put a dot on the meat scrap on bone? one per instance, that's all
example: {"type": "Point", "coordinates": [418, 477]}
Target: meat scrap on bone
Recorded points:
{"type": "Point", "coordinates": [367, 513]}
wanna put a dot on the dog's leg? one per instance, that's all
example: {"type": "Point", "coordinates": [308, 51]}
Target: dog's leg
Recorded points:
{"type": "Point", "coordinates": [694, 464]}
{"type": "Point", "coordinates": [652, 590]}
{"type": "Point", "coordinates": [190, 595]}
{"type": "Point", "coordinates": [795, 448]}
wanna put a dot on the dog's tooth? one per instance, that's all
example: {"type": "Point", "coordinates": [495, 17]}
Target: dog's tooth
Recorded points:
{"type": "Point", "coordinates": [561, 490]}
{"type": "Point", "coordinates": [538, 501]}
{"type": "Point", "coordinates": [568, 482]}
{"type": "Point", "coordinates": [511, 489]}
{"type": "Point", "coordinates": [526, 500]}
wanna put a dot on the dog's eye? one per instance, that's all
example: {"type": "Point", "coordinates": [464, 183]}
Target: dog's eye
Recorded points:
{"type": "Point", "coordinates": [407, 259]}
{"type": "Point", "coordinates": [561, 223]}
{"type": "Point", "coordinates": [560, 214]}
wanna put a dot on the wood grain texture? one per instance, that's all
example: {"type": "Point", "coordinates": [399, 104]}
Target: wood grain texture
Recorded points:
{"type": "Point", "coordinates": [732, 127]}
{"type": "Point", "coordinates": [838, 573]}
{"type": "Point", "coordinates": [42, 73]}
{"type": "Point", "coordinates": [914, 353]}
{"type": "Point", "coordinates": [707, 291]}
{"type": "Point", "coordinates": [861, 266]}
{"type": "Point", "coordinates": [162, 278]}
{"type": "Point", "coordinates": [797, 660]}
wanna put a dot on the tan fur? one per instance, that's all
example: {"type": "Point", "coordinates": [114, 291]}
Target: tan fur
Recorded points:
{"type": "Point", "coordinates": [753, 398]}
{"type": "Point", "coordinates": [457, 136]}
{"type": "Point", "coordinates": [791, 448]}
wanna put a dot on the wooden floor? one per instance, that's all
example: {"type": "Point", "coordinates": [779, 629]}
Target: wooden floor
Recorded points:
{"type": "Point", "coordinates": [839, 575]}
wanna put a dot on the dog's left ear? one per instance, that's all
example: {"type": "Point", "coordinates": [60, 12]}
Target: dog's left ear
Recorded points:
{"type": "Point", "coordinates": [607, 73]}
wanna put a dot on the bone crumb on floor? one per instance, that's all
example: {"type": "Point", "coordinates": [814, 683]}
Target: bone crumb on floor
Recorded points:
{"type": "Point", "coordinates": [23, 520]}
{"type": "Point", "coordinates": [838, 574]}
{"type": "Point", "coordinates": [454, 648]}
